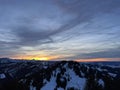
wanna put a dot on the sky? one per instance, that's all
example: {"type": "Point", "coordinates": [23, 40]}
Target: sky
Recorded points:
{"type": "Point", "coordinates": [60, 29]}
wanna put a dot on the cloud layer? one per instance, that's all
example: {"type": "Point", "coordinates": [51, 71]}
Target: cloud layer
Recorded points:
{"type": "Point", "coordinates": [70, 29]}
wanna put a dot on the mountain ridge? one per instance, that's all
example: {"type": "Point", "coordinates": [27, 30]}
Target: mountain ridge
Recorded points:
{"type": "Point", "coordinates": [60, 75]}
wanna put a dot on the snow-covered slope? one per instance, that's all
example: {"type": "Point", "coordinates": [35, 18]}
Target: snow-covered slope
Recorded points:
{"type": "Point", "coordinates": [64, 75]}
{"type": "Point", "coordinates": [65, 78]}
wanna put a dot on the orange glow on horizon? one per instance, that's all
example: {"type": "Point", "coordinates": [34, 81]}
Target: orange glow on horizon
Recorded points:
{"type": "Point", "coordinates": [42, 58]}
{"type": "Point", "coordinates": [48, 58]}
{"type": "Point", "coordinates": [98, 59]}
{"type": "Point", "coordinates": [29, 57]}
{"type": "Point", "coordinates": [32, 58]}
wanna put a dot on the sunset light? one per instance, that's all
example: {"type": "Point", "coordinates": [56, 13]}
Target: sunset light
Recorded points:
{"type": "Point", "coordinates": [42, 58]}
{"type": "Point", "coordinates": [59, 44]}
{"type": "Point", "coordinates": [97, 59]}
{"type": "Point", "coordinates": [31, 57]}
{"type": "Point", "coordinates": [60, 29]}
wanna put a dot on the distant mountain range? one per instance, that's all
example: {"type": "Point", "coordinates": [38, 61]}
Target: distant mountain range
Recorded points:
{"type": "Point", "coordinates": [58, 75]}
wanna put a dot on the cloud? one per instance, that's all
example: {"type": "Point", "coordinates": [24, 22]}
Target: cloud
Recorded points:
{"type": "Point", "coordinates": [85, 10]}
{"type": "Point", "coordinates": [46, 22]}
{"type": "Point", "coordinates": [31, 37]}
{"type": "Point", "coordinates": [112, 53]}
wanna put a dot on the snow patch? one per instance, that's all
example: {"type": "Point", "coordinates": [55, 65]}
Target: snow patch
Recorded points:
{"type": "Point", "coordinates": [31, 86]}
{"type": "Point", "coordinates": [101, 82]}
{"type": "Point", "coordinates": [2, 76]}
{"type": "Point", "coordinates": [76, 81]}
{"type": "Point", "coordinates": [112, 74]}
{"type": "Point", "coordinates": [50, 85]}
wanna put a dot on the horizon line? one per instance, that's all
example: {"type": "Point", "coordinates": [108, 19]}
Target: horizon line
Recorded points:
{"type": "Point", "coordinates": [77, 60]}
